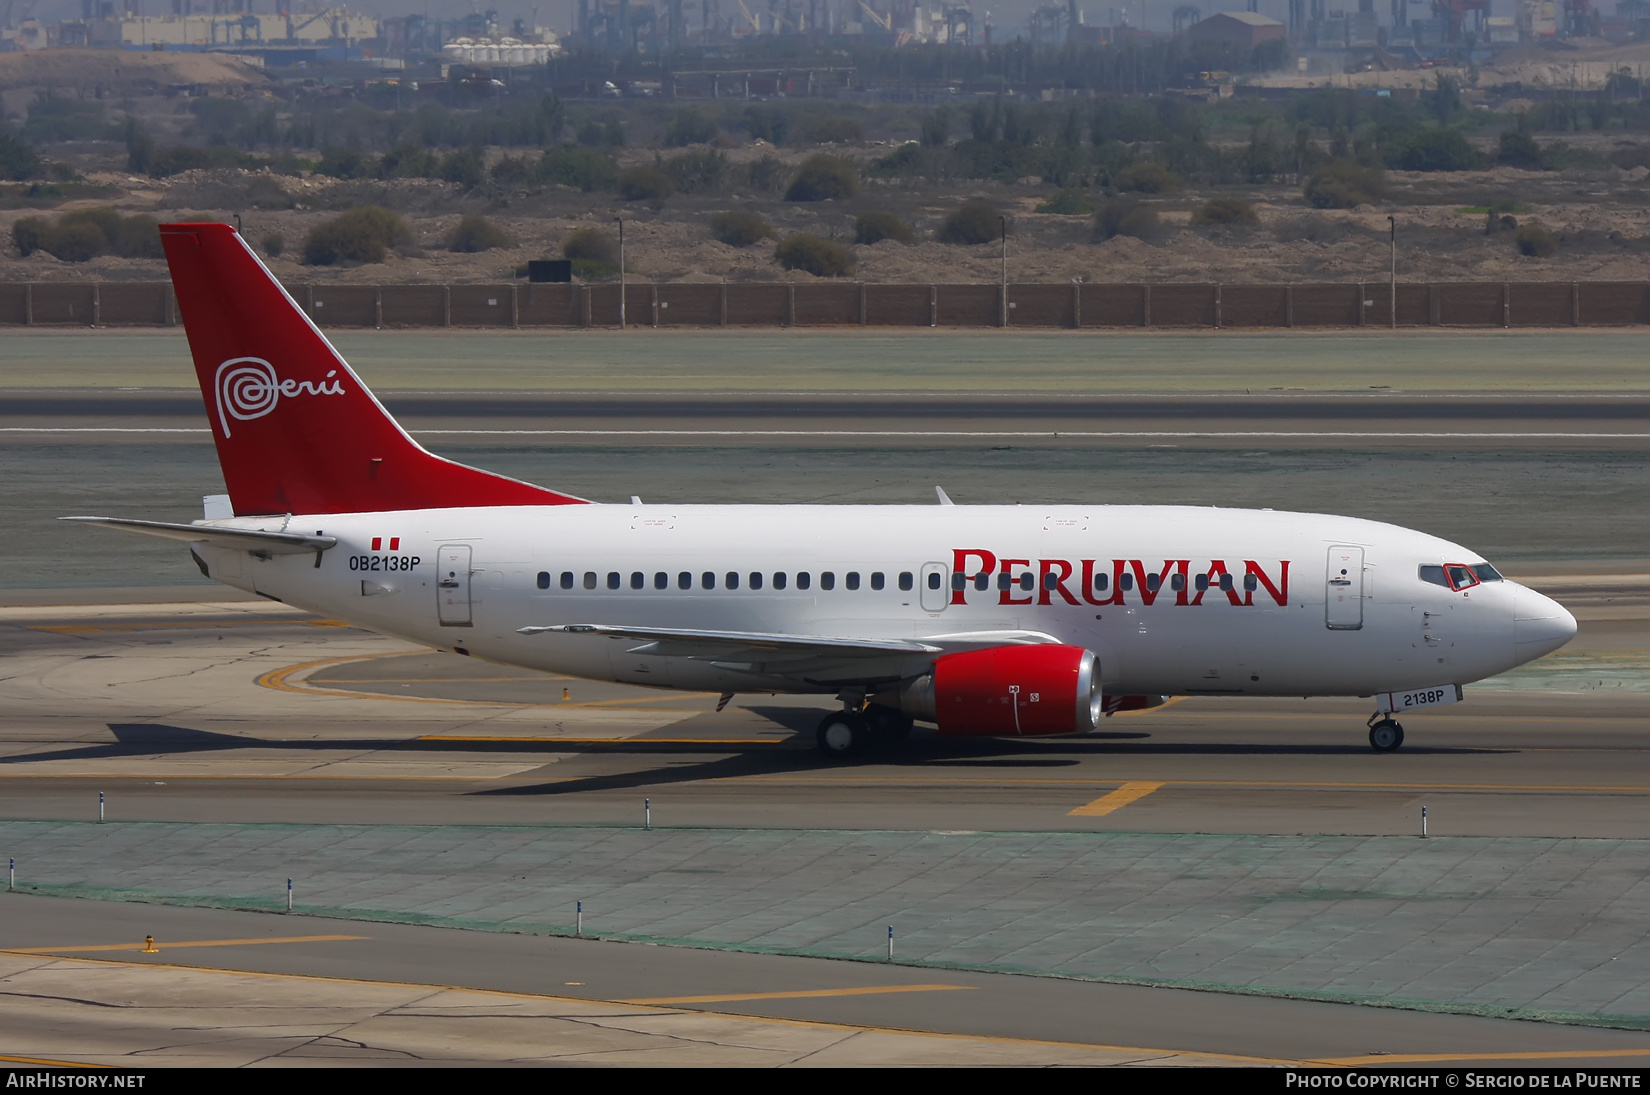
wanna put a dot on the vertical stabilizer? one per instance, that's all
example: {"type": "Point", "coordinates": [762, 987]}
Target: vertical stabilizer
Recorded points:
{"type": "Point", "coordinates": [297, 431]}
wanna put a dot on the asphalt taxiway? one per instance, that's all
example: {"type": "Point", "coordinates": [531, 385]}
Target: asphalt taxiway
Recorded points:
{"type": "Point", "coordinates": [239, 743]}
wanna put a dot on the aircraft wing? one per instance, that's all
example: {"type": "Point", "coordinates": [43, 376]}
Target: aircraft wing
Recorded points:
{"type": "Point", "coordinates": [813, 657]}
{"type": "Point", "coordinates": [243, 539]}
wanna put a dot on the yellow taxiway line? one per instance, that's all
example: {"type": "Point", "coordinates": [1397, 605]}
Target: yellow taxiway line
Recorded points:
{"type": "Point", "coordinates": [799, 994]}
{"type": "Point", "coordinates": [184, 943]}
{"type": "Point", "coordinates": [1105, 804]}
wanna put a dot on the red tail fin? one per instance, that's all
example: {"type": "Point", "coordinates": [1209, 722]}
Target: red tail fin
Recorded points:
{"type": "Point", "coordinates": [297, 431]}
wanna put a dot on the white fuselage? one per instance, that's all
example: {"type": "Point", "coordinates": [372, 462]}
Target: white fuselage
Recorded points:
{"type": "Point", "coordinates": [1289, 623]}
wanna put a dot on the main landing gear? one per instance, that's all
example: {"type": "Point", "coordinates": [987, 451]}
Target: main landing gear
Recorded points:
{"type": "Point", "coordinates": [1385, 734]}
{"type": "Point", "coordinates": [845, 733]}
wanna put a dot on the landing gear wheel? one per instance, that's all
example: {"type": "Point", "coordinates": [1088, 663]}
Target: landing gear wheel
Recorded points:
{"type": "Point", "coordinates": [886, 724]}
{"type": "Point", "coordinates": [841, 735]}
{"type": "Point", "coordinates": [1386, 736]}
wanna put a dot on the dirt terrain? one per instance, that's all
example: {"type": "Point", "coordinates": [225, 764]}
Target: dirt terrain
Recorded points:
{"type": "Point", "coordinates": [1601, 219]}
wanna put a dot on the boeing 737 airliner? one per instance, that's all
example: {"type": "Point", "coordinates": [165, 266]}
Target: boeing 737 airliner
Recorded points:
{"type": "Point", "coordinates": [988, 620]}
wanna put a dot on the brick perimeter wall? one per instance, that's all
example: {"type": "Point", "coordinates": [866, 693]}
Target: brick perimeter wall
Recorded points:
{"type": "Point", "coordinates": [845, 304]}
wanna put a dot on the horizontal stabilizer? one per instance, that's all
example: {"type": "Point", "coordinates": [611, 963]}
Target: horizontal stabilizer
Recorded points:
{"type": "Point", "coordinates": [243, 539]}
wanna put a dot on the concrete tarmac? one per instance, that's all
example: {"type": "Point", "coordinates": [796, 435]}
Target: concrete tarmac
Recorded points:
{"type": "Point", "coordinates": [246, 712]}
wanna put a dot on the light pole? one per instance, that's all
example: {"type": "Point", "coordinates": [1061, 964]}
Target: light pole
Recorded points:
{"type": "Point", "coordinates": [1392, 300]}
{"type": "Point", "coordinates": [620, 222]}
{"type": "Point", "coordinates": [1002, 305]}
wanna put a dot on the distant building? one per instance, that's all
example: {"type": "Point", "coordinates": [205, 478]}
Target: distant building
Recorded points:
{"type": "Point", "coordinates": [1242, 30]}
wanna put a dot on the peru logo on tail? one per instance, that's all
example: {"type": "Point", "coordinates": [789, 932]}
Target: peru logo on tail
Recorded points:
{"type": "Point", "coordinates": [248, 388]}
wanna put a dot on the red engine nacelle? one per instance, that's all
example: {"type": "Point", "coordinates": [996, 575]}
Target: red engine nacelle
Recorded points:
{"type": "Point", "coordinates": [1010, 690]}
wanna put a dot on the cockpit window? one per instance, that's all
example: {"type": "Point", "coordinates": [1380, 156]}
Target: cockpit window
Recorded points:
{"type": "Point", "coordinates": [1486, 573]}
{"type": "Point", "coordinates": [1460, 576]}
{"type": "Point", "coordinates": [1435, 575]}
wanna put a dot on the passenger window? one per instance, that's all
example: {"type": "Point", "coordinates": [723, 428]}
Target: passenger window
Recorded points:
{"type": "Point", "coordinates": [567, 579]}
{"type": "Point", "coordinates": [661, 580]}
{"type": "Point", "coordinates": [544, 579]}
{"type": "Point", "coordinates": [803, 580]}
{"type": "Point", "coordinates": [684, 580]}
{"type": "Point", "coordinates": [1153, 581]}
{"type": "Point", "coordinates": [1250, 582]}
{"type": "Point", "coordinates": [638, 580]}
{"type": "Point", "coordinates": [876, 579]}
{"type": "Point", "coordinates": [756, 579]}
{"type": "Point", "coordinates": [851, 580]}
{"type": "Point", "coordinates": [779, 579]}
{"type": "Point", "coordinates": [612, 579]}
{"type": "Point", "coordinates": [1460, 577]}
{"type": "Point", "coordinates": [1005, 580]}
{"type": "Point", "coordinates": [827, 580]}
{"type": "Point", "coordinates": [1226, 582]}
{"type": "Point", "coordinates": [906, 581]}
{"type": "Point", "coordinates": [1048, 579]}
{"type": "Point", "coordinates": [590, 579]}
{"type": "Point", "coordinates": [1486, 573]}
{"type": "Point", "coordinates": [1027, 581]}
{"type": "Point", "coordinates": [982, 581]}
{"type": "Point", "coordinates": [1202, 582]}
{"type": "Point", "coordinates": [1177, 582]}
{"type": "Point", "coordinates": [707, 580]}
{"type": "Point", "coordinates": [1434, 575]}
{"type": "Point", "coordinates": [1101, 581]}
{"type": "Point", "coordinates": [959, 580]}
{"type": "Point", "coordinates": [732, 580]}
{"type": "Point", "coordinates": [934, 580]}
{"type": "Point", "coordinates": [1126, 582]}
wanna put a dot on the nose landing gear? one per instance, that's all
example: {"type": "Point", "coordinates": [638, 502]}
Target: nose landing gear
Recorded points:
{"type": "Point", "coordinates": [1385, 734]}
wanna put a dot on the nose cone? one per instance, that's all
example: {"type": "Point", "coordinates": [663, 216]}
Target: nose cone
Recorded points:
{"type": "Point", "coordinates": [1540, 625]}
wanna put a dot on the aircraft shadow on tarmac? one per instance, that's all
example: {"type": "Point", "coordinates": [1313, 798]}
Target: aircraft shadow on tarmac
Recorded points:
{"type": "Point", "coordinates": [722, 759]}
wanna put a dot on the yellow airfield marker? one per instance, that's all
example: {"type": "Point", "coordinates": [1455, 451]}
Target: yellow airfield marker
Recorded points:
{"type": "Point", "coordinates": [800, 994]}
{"type": "Point", "coordinates": [1130, 792]}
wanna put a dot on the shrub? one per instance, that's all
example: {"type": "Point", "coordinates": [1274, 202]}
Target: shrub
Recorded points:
{"type": "Point", "coordinates": [475, 233]}
{"type": "Point", "coordinates": [464, 167]}
{"type": "Point", "coordinates": [1070, 203]}
{"type": "Point", "coordinates": [767, 173]}
{"type": "Point", "coordinates": [644, 183]}
{"type": "Point", "coordinates": [740, 227]}
{"type": "Point", "coordinates": [17, 157]}
{"type": "Point", "coordinates": [878, 225]}
{"type": "Point", "coordinates": [76, 242]}
{"type": "Point", "coordinates": [1225, 211]}
{"type": "Point", "coordinates": [1519, 149]}
{"type": "Point", "coordinates": [29, 234]}
{"type": "Point", "coordinates": [1148, 177]}
{"type": "Point", "coordinates": [1342, 184]}
{"type": "Point", "coordinates": [273, 244]}
{"type": "Point", "coordinates": [84, 234]}
{"type": "Point", "coordinates": [689, 127]}
{"type": "Point", "coordinates": [360, 235]}
{"type": "Point", "coordinates": [570, 165]}
{"type": "Point", "coordinates": [697, 171]}
{"type": "Point", "coordinates": [1535, 241]}
{"type": "Point", "coordinates": [408, 161]}
{"type": "Point", "coordinates": [1438, 150]}
{"type": "Point", "coordinates": [136, 237]}
{"type": "Point", "coordinates": [833, 129]}
{"type": "Point", "coordinates": [1126, 218]}
{"type": "Point", "coordinates": [823, 177]}
{"type": "Point", "coordinates": [590, 245]}
{"type": "Point", "coordinates": [344, 163]}
{"type": "Point", "coordinates": [973, 222]}
{"type": "Point", "coordinates": [820, 257]}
